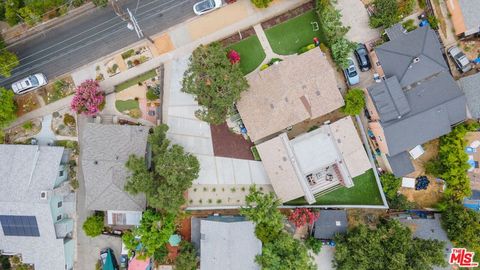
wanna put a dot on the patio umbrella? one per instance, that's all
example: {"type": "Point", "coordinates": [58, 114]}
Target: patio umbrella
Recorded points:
{"type": "Point", "coordinates": [174, 240]}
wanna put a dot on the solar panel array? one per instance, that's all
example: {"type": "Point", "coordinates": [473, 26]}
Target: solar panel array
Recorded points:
{"type": "Point", "coordinates": [19, 225]}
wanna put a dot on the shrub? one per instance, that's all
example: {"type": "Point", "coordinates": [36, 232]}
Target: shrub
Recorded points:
{"type": "Point", "coordinates": [93, 226]}
{"type": "Point", "coordinates": [433, 21]}
{"type": "Point", "coordinates": [406, 7]}
{"type": "Point", "coordinates": [303, 216]}
{"type": "Point", "coordinates": [136, 62]}
{"type": "Point", "coordinates": [261, 3]}
{"type": "Point", "coordinates": [409, 25]}
{"type": "Point", "coordinates": [128, 53]}
{"type": "Point", "coordinates": [88, 98]}
{"type": "Point", "coordinates": [323, 48]}
{"type": "Point", "coordinates": [187, 258]}
{"type": "Point", "coordinates": [151, 95]}
{"type": "Point", "coordinates": [422, 4]}
{"type": "Point", "coordinates": [306, 48]}
{"type": "Point", "coordinates": [69, 120]}
{"type": "Point", "coordinates": [314, 244]}
{"type": "Point", "coordinates": [233, 56]}
{"type": "Point", "coordinates": [77, 3]}
{"type": "Point", "coordinates": [74, 184]}
{"type": "Point", "coordinates": [274, 60]}
{"type": "Point", "coordinates": [27, 125]}
{"type": "Point", "coordinates": [59, 85]}
{"type": "Point", "coordinates": [135, 113]}
{"type": "Point", "coordinates": [264, 66]}
{"type": "Point", "coordinates": [312, 128]}
{"type": "Point", "coordinates": [354, 101]}
{"type": "Point", "coordinates": [387, 13]}
{"type": "Point", "coordinates": [100, 3]}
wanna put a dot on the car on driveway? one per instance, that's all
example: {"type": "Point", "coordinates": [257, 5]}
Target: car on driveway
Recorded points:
{"type": "Point", "coordinates": [108, 259]}
{"type": "Point", "coordinates": [351, 73]}
{"type": "Point", "coordinates": [363, 60]}
{"type": "Point", "coordinates": [206, 6]}
{"type": "Point", "coordinates": [29, 83]}
{"type": "Point", "coordinates": [461, 61]}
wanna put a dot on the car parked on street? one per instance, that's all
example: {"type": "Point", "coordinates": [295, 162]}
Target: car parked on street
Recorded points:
{"type": "Point", "coordinates": [361, 53]}
{"type": "Point", "coordinates": [29, 83]}
{"type": "Point", "coordinates": [461, 61]}
{"type": "Point", "coordinates": [206, 6]}
{"type": "Point", "coordinates": [351, 73]}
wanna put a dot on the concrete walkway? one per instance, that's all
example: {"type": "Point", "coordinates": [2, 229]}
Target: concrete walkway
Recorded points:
{"type": "Point", "coordinates": [265, 44]}
{"type": "Point", "coordinates": [46, 135]}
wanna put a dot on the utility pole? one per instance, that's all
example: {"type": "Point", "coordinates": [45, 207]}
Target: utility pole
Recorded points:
{"type": "Point", "coordinates": [130, 18]}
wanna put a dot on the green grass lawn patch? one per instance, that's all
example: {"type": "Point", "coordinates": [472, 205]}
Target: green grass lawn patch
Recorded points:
{"type": "Point", "coordinates": [255, 154]}
{"type": "Point", "coordinates": [140, 78]}
{"type": "Point", "coordinates": [251, 53]}
{"type": "Point", "coordinates": [364, 192]}
{"type": "Point", "coordinates": [288, 37]}
{"type": "Point", "coordinates": [126, 105]}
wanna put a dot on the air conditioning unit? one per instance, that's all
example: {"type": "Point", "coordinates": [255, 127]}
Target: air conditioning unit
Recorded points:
{"type": "Point", "coordinates": [43, 195]}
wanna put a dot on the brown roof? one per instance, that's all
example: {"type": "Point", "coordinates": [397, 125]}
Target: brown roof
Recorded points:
{"type": "Point", "coordinates": [294, 90]}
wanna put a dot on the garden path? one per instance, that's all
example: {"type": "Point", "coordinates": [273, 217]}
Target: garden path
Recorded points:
{"type": "Point", "coordinates": [266, 46]}
{"type": "Point", "coordinates": [46, 135]}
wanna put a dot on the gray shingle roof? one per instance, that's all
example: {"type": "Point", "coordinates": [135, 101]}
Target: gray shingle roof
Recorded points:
{"type": "Point", "coordinates": [471, 14]}
{"type": "Point", "coordinates": [401, 164]}
{"type": "Point", "coordinates": [26, 171]}
{"type": "Point", "coordinates": [395, 31]}
{"type": "Point", "coordinates": [471, 87]}
{"type": "Point", "coordinates": [228, 245]}
{"type": "Point", "coordinates": [435, 105]}
{"type": "Point", "coordinates": [397, 56]}
{"type": "Point", "coordinates": [330, 223]}
{"type": "Point", "coordinates": [105, 150]}
{"type": "Point", "coordinates": [389, 99]}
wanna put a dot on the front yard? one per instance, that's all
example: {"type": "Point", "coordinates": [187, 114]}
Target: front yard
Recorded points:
{"type": "Point", "coordinates": [251, 53]}
{"type": "Point", "coordinates": [288, 37]}
{"type": "Point", "coordinates": [365, 192]}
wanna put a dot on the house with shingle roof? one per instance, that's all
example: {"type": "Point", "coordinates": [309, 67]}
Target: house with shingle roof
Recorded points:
{"type": "Point", "coordinates": [470, 85]}
{"type": "Point", "coordinates": [465, 16]}
{"type": "Point", "coordinates": [416, 102]}
{"type": "Point", "coordinates": [36, 206]}
{"type": "Point", "coordinates": [105, 150]}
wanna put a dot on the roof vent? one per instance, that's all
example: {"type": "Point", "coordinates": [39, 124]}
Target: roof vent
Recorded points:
{"type": "Point", "coordinates": [416, 60]}
{"type": "Point", "coordinates": [43, 195]}
{"type": "Point", "coordinates": [95, 162]}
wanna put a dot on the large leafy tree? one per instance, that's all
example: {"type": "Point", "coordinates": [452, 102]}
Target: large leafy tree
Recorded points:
{"type": "Point", "coordinates": [187, 259]}
{"type": "Point", "coordinates": [214, 81]}
{"type": "Point", "coordinates": [153, 233]}
{"type": "Point", "coordinates": [8, 60]}
{"type": "Point", "coordinates": [7, 107]}
{"type": "Point", "coordinates": [390, 246]}
{"type": "Point", "coordinates": [390, 185]}
{"type": "Point", "coordinates": [354, 101]}
{"type": "Point", "coordinates": [171, 174]}
{"type": "Point", "coordinates": [387, 13]}
{"type": "Point", "coordinates": [463, 227]}
{"type": "Point", "coordinates": [93, 225]}
{"type": "Point", "coordinates": [285, 253]}
{"type": "Point", "coordinates": [262, 209]}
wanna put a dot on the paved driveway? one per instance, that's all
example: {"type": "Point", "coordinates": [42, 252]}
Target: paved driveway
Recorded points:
{"type": "Point", "coordinates": [325, 257]}
{"type": "Point", "coordinates": [354, 14]}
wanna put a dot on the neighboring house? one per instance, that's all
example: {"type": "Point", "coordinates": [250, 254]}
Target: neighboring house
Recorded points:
{"type": "Point", "coordinates": [329, 223]}
{"type": "Point", "coordinates": [470, 85]}
{"type": "Point", "coordinates": [105, 150]}
{"type": "Point", "coordinates": [473, 151]}
{"type": "Point", "coordinates": [36, 206]}
{"type": "Point", "coordinates": [465, 16]}
{"type": "Point", "coordinates": [316, 162]}
{"type": "Point", "coordinates": [417, 102]}
{"type": "Point", "coordinates": [226, 243]}
{"type": "Point", "coordinates": [297, 89]}
{"type": "Point", "coordinates": [431, 229]}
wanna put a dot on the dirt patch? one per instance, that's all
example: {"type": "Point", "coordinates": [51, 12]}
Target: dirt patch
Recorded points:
{"type": "Point", "coordinates": [185, 228]}
{"type": "Point", "coordinates": [237, 37]}
{"type": "Point", "coordinates": [26, 103]}
{"type": "Point", "coordinates": [369, 217]}
{"type": "Point", "coordinates": [228, 144]}
{"type": "Point", "coordinates": [288, 15]}
{"type": "Point", "coordinates": [431, 151]}
{"type": "Point", "coordinates": [58, 89]}
{"type": "Point", "coordinates": [425, 198]}
{"type": "Point", "coordinates": [471, 48]}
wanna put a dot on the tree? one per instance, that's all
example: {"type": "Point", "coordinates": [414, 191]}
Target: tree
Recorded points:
{"type": "Point", "coordinates": [390, 185]}
{"type": "Point", "coordinates": [214, 81]}
{"type": "Point", "coordinates": [285, 253]}
{"type": "Point", "coordinates": [8, 60]}
{"type": "Point", "coordinates": [89, 99]}
{"type": "Point", "coordinates": [11, 7]}
{"type": "Point", "coordinates": [153, 233]}
{"type": "Point", "coordinates": [262, 209]}
{"type": "Point", "coordinates": [354, 101]}
{"type": "Point", "coordinates": [303, 216]}
{"type": "Point", "coordinates": [7, 107]}
{"type": "Point", "coordinates": [100, 3]}
{"type": "Point", "coordinates": [187, 259]}
{"type": "Point", "coordinates": [172, 173]}
{"type": "Point", "coordinates": [313, 244]}
{"type": "Point", "coordinates": [390, 246]}
{"type": "Point", "coordinates": [341, 50]}
{"type": "Point", "coordinates": [387, 13]}
{"type": "Point", "coordinates": [94, 225]}
{"type": "Point", "coordinates": [463, 227]}
{"type": "Point", "coordinates": [261, 3]}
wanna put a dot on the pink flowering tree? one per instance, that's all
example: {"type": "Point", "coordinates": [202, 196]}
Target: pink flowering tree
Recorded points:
{"type": "Point", "coordinates": [303, 216]}
{"type": "Point", "coordinates": [233, 56]}
{"type": "Point", "coordinates": [89, 99]}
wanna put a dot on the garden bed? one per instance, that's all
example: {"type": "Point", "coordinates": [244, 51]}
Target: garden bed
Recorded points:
{"type": "Point", "coordinates": [238, 37]}
{"type": "Point", "coordinates": [22, 133]}
{"type": "Point", "coordinates": [57, 90]}
{"type": "Point", "coordinates": [64, 123]}
{"type": "Point", "coordinates": [137, 56]}
{"type": "Point", "coordinates": [139, 79]}
{"type": "Point", "coordinates": [288, 37]}
{"type": "Point", "coordinates": [251, 53]}
{"type": "Point", "coordinates": [288, 15]}
{"type": "Point", "coordinates": [26, 103]}
{"type": "Point", "coordinates": [228, 144]}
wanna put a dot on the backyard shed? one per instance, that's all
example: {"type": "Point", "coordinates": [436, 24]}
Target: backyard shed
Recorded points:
{"type": "Point", "coordinates": [330, 223]}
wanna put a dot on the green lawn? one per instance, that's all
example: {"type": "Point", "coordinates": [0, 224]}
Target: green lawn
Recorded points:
{"type": "Point", "coordinates": [251, 53]}
{"type": "Point", "coordinates": [288, 37]}
{"type": "Point", "coordinates": [126, 105]}
{"type": "Point", "coordinates": [140, 78]}
{"type": "Point", "coordinates": [365, 192]}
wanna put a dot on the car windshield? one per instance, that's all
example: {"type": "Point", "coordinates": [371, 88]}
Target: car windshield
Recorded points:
{"type": "Point", "coordinates": [206, 5]}
{"type": "Point", "coordinates": [352, 72]}
{"type": "Point", "coordinates": [33, 80]}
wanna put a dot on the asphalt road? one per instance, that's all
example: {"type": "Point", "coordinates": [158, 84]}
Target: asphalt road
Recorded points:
{"type": "Point", "coordinates": [93, 35]}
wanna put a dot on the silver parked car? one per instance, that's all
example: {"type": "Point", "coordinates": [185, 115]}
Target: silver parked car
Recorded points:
{"type": "Point", "coordinates": [351, 73]}
{"type": "Point", "coordinates": [461, 61]}
{"type": "Point", "coordinates": [206, 6]}
{"type": "Point", "coordinates": [29, 83]}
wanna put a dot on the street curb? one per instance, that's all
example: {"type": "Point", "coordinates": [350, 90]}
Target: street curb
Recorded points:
{"type": "Point", "coordinates": [38, 29]}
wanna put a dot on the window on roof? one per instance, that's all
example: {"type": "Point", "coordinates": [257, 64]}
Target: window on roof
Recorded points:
{"type": "Point", "coordinates": [59, 204]}
{"type": "Point", "coordinates": [60, 173]}
{"type": "Point", "coordinates": [59, 217]}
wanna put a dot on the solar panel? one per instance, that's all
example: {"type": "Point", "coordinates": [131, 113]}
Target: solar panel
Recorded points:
{"type": "Point", "coordinates": [19, 225]}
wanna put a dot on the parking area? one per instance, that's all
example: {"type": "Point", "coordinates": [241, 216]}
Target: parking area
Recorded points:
{"type": "Point", "coordinates": [325, 257]}
{"type": "Point", "coordinates": [355, 16]}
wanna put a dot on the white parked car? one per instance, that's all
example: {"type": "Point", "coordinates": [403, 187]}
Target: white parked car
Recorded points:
{"type": "Point", "coordinates": [351, 73]}
{"type": "Point", "coordinates": [29, 83]}
{"type": "Point", "coordinates": [461, 61]}
{"type": "Point", "coordinates": [206, 6]}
